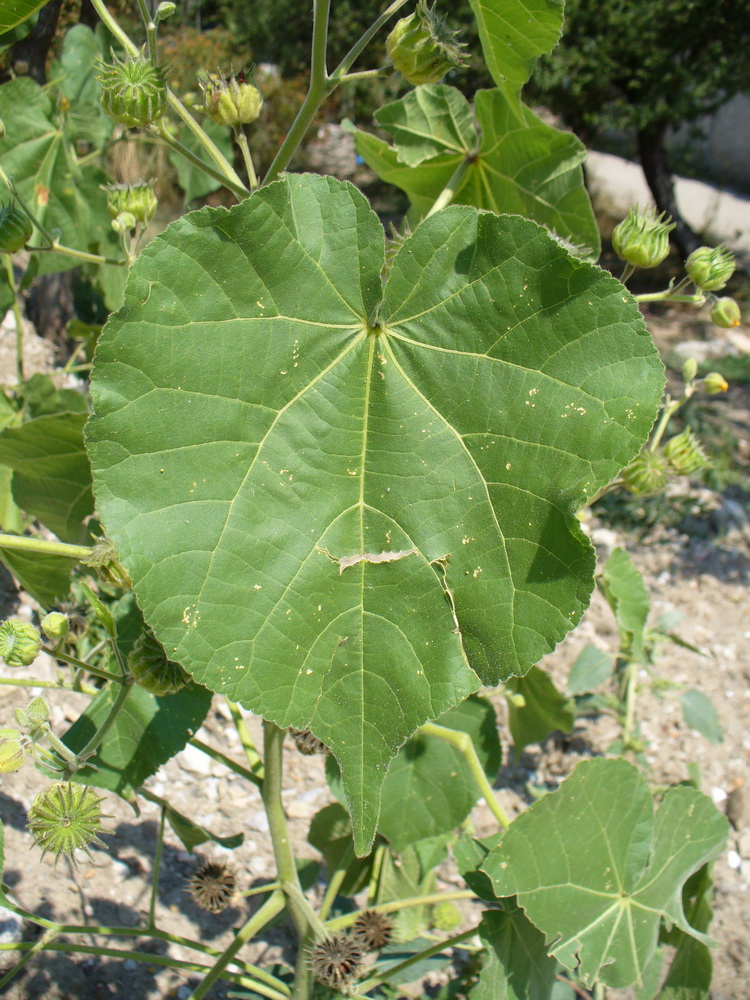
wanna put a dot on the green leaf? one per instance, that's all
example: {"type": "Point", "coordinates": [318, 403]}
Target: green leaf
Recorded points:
{"type": "Point", "coordinates": [75, 78]}
{"type": "Point", "coordinates": [691, 968]}
{"type": "Point", "coordinates": [45, 577]}
{"type": "Point", "coordinates": [344, 522]}
{"type": "Point", "coordinates": [627, 595]}
{"type": "Point", "coordinates": [193, 181]}
{"type": "Point", "coordinates": [430, 120]}
{"type": "Point", "coordinates": [616, 869]}
{"type": "Point", "coordinates": [591, 669]}
{"type": "Point", "coordinates": [517, 966]}
{"type": "Point", "coordinates": [102, 612]}
{"type": "Point", "coordinates": [331, 833]}
{"type": "Point", "coordinates": [513, 34]}
{"type": "Point", "coordinates": [146, 734]}
{"type": "Point", "coordinates": [192, 835]}
{"type": "Point", "coordinates": [13, 12]}
{"type": "Point", "coordinates": [523, 166]}
{"type": "Point", "coordinates": [469, 855]}
{"type": "Point", "coordinates": [42, 397]}
{"type": "Point", "coordinates": [52, 479]}
{"type": "Point", "coordinates": [545, 710]}
{"type": "Point", "coordinates": [699, 713]}
{"type": "Point", "coordinates": [393, 954]}
{"type": "Point", "coordinates": [407, 874]}
{"type": "Point", "coordinates": [38, 155]}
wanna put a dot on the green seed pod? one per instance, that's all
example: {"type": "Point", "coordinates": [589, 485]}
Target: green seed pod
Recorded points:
{"type": "Point", "coordinates": [55, 625]}
{"type": "Point", "coordinates": [124, 223]}
{"type": "Point", "coordinates": [13, 752]}
{"type": "Point", "coordinates": [66, 817]}
{"type": "Point", "coordinates": [642, 238]}
{"type": "Point", "coordinates": [15, 228]}
{"type": "Point", "coordinates": [231, 100]}
{"type": "Point", "coordinates": [685, 453]}
{"type": "Point", "coordinates": [134, 90]}
{"type": "Point", "coordinates": [163, 11]}
{"type": "Point", "coordinates": [445, 916]}
{"type": "Point", "coordinates": [714, 383]}
{"type": "Point", "coordinates": [149, 665]}
{"type": "Point", "coordinates": [690, 369]}
{"type": "Point", "coordinates": [138, 200]}
{"type": "Point", "coordinates": [646, 475]}
{"type": "Point", "coordinates": [726, 313]}
{"type": "Point", "coordinates": [710, 267]}
{"type": "Point", "coordinates": [422, 48]}
{"type": "Point", "coordinates": [20, 642]}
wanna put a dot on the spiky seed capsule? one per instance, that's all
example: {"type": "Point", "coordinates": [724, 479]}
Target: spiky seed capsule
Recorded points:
{"type": "Point", "coordinates": [212, 886]}
{"type": "Point", "coordinates": [306, 743]}
{"type": "Point", "coordinates": [138, 200]}
{"type": "Point", "coordinates": [445, 916]}
{"type": "Point", "coordinates": [13, 750]}
{"type": "Point", "coordinates": [372, 930]}
{"type": "Point", "coordinates": [715, 383]}
{"type": "Point", "coordinates": [20, 642]}
{"type": "Point", "coordinates": [231, 100]}
{"type": "Point", "coordinates": [646, 475]}
{"type": "Point", "coordinates": [66, 817]}
{"type": "Point", "coordinates": [685, 453]}
{"type": "Point", "coordinates": [422, 48]}
{"type": "Point", "coordinates": [642, 238]}
{"type": "Point", "coordinates": [149, 665]}
{"type": "Point", "coordinates": [15, 228]}
{"type": "Point", "coordinates": [55, 625]}
{"type": "Point", "coordinates": [726, 313]}
{"type": "Point", "coordinates": [134, 90]}
{"type": "Point", "coordinates": [336, 960]}
{"type": "Point", "coordinates": [710, 268]}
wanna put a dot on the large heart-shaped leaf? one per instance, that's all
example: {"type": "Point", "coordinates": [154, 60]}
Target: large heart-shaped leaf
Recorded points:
{"type": "Point", "coordinates": [516, 966]}
{"type": "Point", "coordinates": [343, 505]}
{"type": "Point", "coordinates": [522, 164]}
{"type": "Point", "coordinates": [616, 870]}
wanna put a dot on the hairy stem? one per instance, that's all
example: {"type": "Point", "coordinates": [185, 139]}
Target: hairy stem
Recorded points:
{"type": "Point", "coordinates": [157, 867]}
{"type": "Point", "coordinates": [57, 654]}
{"type": "Point", "coordinates": [79, 552]}
{"type": "Point", "coordinates": [247, 158]}
{"type": "Point", "coordinates": [448, 193]}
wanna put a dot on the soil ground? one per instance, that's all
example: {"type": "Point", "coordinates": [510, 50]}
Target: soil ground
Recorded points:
{"type": "Point", "coordinates": [699, 566]}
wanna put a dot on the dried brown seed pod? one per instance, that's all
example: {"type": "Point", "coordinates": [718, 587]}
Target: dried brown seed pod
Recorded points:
{"type": "Point", "coordinates": [212, 886]}
{"type": "Point", "coordinates": [306, 743]}
{"type": "Point", "coordinates": [335, 961]}
{"type": "Point", "coordinates": [373, 930]}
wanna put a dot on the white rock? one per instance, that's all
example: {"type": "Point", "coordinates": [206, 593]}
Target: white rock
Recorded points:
{"type": "Point", "coordinates": [258, 821]}
{"type": "Point", "coordinates": [11, 927]}
{"type": "Point", "coordinates": [184, 993]}
{"type": "Point", "coordinates": [194, 760]}
{"type": "Point", "coordinates": [718, 795]}
{"type": "Point", "coordinates": [734, 860]}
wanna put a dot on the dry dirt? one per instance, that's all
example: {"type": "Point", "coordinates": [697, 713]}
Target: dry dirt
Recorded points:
{"type": "Point", "coordinates": [703, 573]}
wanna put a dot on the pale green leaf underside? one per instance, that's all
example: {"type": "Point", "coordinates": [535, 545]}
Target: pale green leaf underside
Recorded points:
{"type": "Point", "coordinates": [513, 34]}
{"type": "Point", "coordinates": [523, 165]}
{"type": "Point", "coordinates": [345, 524]}
{"type": "Point", "coordinates": [616, 870]}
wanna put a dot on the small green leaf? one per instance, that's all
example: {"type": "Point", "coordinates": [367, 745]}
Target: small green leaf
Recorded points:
{"type": "Point", "coordinates": [517, 966]}
{"type": "Point", "coordinates": [628, 598]}
{"type": "Point", "coordinates": [410, 873]}
{"type": "Point", "coordinates": [591, 669]}
{"type": "Point", "coordinates": [544, 711]}
{"type": "Point", "coordinates": [42, 397]}
{"type": "Point", "coordinates": [52, 478]}
{"type": "Point", "coordinates": [102, 612]}
{"type": "Point", "coordinates": [192, 835]}
{"type": "Point", "coordinates": [331, 834]}
{"type": "Point", "coordinates": [146, 734]}
{"type": "Point", "coordinates": [699, 713]}
{"type": "Point", "coordinates": [13, 12]}
{"type": "Point", "coordinates": [430, 120]}
{"type": "Point", "coordinates": [615, 872]}
{"type": "Point", "coordinates": [469, 854]}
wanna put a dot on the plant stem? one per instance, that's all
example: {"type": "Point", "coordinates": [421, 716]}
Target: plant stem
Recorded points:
{"type": "Point", "coordinates": [34, 949]}
{"type": "Point", "coordinates": [251, 754]}
{"type": "Point", "coordinates": [89, 258]}
{"type": "Point", "coordinates": [260, 889]}
{"type": "Point", "coordinates": [668, 296]}
{"type": "Point", "coordinates": [435, 949]}
{"type": "Point", "coordinates": [17, 316]}
{"type": "Point", "coordinates": [463, 743]}
{"type": "Point", "coordinates": [671, 406]}
{"type": "Point", "coordinates": [33, 682]}
{"type": "Point", "coordinates": [631, 691]}
{"type": "Point", "coordinates": [448, 193]}
{"type": "Point", "coordinates": [241, 140]}
{"type": "Point", "coordinates": [334, 882]}
{"type": "Point", "coordinates": [150, 30]}
{"type": "Point", "coordinates": [317, 92]}
{"type": "Point", "coordinates": [79, 552]}
{"type": "Point", "coordinates": [232, 765]}
{"type": "Point", "coordinates": [271, 908]}
{"type": "Point", "coordinates": [166, 136]}
{"type": "Point", "coordinates": [157, 867]}
{"type": "Point", "coordinates": [627, 272]}
{"type": "Point", "coordinates": [105, 727]}
{"type": "Point", "coordinates": [75, 662]}
{"type": "Point", "coordinates": [359, 46]}
{"type": "Point", "coordinates": [339, 923]}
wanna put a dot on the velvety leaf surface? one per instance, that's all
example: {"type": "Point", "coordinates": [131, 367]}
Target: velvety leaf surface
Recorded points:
{"type": "Point", "coordinates": [514, 33]}
{"type": "Point", "coordinates": [523, 165]}
{"type": "Point", "coordinates": [616, 871]}
{"type": "Point", "coordinates": [51, 479]}
{"type": "Point", "coordinates": [343, 506]}
{"type": "Point", "coordinates": [517, 966]}
{"type": "Point", "coordinates": [430, 120]}
{"type": "Point", "coordinates": [146, 734]}
{"type": "Point", "coordinates": [545, 709]}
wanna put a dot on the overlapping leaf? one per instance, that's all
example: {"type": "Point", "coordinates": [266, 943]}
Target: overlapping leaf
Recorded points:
{"type": "Point", "coordinates": [343, 505]}
{"type": "Point", "coordinates": [13, 12]}
{"type": "Point", "coordinates": [616, 871]}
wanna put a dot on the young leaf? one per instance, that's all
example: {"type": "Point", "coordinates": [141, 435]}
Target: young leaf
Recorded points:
{"type": "Point", "coordinates": [343, 506]}
{"type": "Point", "coordinates": [517, 966]}
{"type": "Point", "coordinates": [469, 855]}
{"type": "Point", "coordinates": [628, 598]}
{"type": "Point", "coordinates": [544, 711]}
{"type": "Point", "coordinates": [616, 869]}
{"type": "Point", "coordinates": [146, 734]}
{"type": "Point", "coordinates": [331, 833]}
{"type": "Point", "coordinates": [699, 713]}
{"type": "Point", "coordinates": [430, 120]}
{"type": "Point", "coordinates": [591, 669]}
{"type": "Point", "coordinates": [52, 478]}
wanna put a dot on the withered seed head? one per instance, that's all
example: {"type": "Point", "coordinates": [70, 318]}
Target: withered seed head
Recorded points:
{"type": "Point", "coordinates": [335, 961]}
{"type": "Point", "coordinates": [212, 886]}
{"type": "Point", "coordinates": [307, 743]}
{"type": "Point", "coordinates": [373, 930]}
